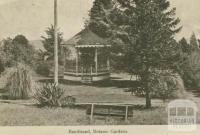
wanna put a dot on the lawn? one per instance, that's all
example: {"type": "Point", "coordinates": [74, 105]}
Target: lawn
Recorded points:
{"type": "Point", "coordinates": [26, 113]}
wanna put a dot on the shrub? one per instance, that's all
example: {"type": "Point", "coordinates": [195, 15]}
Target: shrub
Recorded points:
{"type": "Point", "coordinates": [19, 83]}
{"type": "Point", "coordinates": [164, 84]}
{"type": "Point", "coordinates": [46, 68]}
{"type": "Point", "coordinates": [52, 95]}
{"type": "Point", "coordinates": [43, 68]}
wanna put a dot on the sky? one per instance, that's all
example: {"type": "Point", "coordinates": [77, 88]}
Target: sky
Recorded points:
{"type": "Point", "coordinates": [32, 17]}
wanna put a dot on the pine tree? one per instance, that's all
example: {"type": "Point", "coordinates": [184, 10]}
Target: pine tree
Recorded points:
{"type": "Point", "coordinates": [193, 42]}
{"type": "Point", "coordinates": [184, 46]}
{"type": "Point", "coordinates": [147, 29]}
{"type": "Point", "coordinates": [48, 42]}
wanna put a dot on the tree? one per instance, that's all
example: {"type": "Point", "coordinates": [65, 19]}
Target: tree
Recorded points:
{"type": "Point", "coordinates": [22, 50]}
{"type": "Point", "coordinates": [147, 28]}
{"type": "Point", "coordinates": [185, 47]}
{"type": "Point", "coordinates": [192, 70]}
{"type": "Point", "coordinates": [153, 44]}
{"type": "Point", "coordinates": [98, 18]}
{"type": "Point", "coordinates": [48, 43]}
{"type": "Point", "coordinates": [189, 62]}
{"type": "Point", "coordinates": [101, 16]}
{"type": "Point", "coordinates": [193, 42]}
{"type": "Point", "coordinates": [45, 59]}
{"type": "Point", "coordinates": [199, 42]}
{"type": "Point", "coordinates": [17, 50]}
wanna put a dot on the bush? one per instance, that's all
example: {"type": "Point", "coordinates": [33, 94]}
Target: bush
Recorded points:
{"type": "Point", "coordinates": [163, 84]}
{"type": "Point", "coordinates": [43, 68]}
{"type": "Point", "coordinates": [46, 68]}
{"type": "Point", "coordinates": [19, 83]}
{"type": "Point", "coordinates": [52, 95]}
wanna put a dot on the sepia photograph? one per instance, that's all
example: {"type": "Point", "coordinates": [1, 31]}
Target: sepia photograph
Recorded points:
{"type": "Point", "coordinates": [100, 63]}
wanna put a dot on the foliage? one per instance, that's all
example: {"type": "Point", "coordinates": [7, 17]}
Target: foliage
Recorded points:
{"type": "Point", "coordinates": [189, 62]}
{"type": "Point", "coordinates": [46, 68]}
{"type": "Point", "coordinates": [43, 68]}
{"type": "Point", "coordinates": [19, 83]}
{"type": "Point", "coordinates": [4, 77]}
{"type": "Point", "coordinates": [101, 16]}
{"type": "Point", "coordinates": [145, 27]}
{"type": "Point", "coordinates": [6, 53]}
{"type": "Point", "coordinates": [17, 50]}
{"type": "Point", "coordinates": [44, 64]}
{"type": "Point", "coordinates": [192, 70]}
{"type": "Point", "coordinates": [166, 85]}
{"type": "Point", "coordinates": [2, 64]}
{"type": "Point", "coordinates": [194, 42]}
{"type": "Point", "coordinates": [185, 47]}
{"type": "Point", "coordinates": [52, 95]}
{"type": "Point", "coordinates": [48, 43]}
{"type": "Point", "coordinates": [2, 67]}
{"type": "Point", "coordinates": [199, 42]}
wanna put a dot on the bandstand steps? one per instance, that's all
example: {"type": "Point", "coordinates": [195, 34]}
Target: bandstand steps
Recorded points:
{"type": "Point", "coordinates": [86, 79]}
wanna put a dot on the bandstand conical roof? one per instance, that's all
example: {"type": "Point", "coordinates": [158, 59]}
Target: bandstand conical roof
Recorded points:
{"type": "Point", "coordinates": [87, 38]}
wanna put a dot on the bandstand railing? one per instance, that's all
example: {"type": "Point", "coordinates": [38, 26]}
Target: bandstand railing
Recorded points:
{"type": "Point", "coordinates": [87, 71]}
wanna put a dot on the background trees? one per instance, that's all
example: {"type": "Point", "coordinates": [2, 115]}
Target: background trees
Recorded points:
{"type": "Point", "coordinates": [190, 62]}
{"type": "Point", "coordinates": [194, 42]}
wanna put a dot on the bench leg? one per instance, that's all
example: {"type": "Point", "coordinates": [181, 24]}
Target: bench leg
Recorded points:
{"type": "Point", "coordinates": [126, 115]}
{"type": "Point", "coordinates": [92, 111]}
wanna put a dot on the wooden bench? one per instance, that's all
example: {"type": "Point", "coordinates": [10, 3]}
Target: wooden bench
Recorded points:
{"type": "Point", "coordinates": [109, 109]}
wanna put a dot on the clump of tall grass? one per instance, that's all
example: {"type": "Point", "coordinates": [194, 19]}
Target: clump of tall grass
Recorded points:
{"type": "Point", "coordinates": [19, 83]}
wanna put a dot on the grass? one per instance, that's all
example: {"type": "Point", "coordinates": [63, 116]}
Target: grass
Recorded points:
{"type": "Point", "coordinates": [141, 116]}
{"type": "Point", "coordinates": [21, 115]}
{"type": "Point", "coordinates": [25, 113]}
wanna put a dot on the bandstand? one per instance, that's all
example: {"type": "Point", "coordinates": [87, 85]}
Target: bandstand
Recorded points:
{"type": "Point", "coordinates": [89, 58]}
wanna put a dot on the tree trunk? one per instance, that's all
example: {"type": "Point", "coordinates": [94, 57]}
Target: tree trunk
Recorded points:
{"type": "Point", "coordinates": [147, 90]}
{"type": "Point", "coordinates": [148, 98]}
